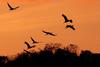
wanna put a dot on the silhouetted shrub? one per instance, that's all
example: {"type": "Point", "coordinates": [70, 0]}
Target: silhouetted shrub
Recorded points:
{"type": "Point", "coordinates": [3, 59]}
{"type": "Point", "coordinates": [61, 57]}
{"type": "Point", "coordinates": [72, 48]}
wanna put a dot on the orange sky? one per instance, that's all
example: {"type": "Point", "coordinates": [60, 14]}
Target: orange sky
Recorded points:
{"type": "Point", "coordinates": [35, 15]}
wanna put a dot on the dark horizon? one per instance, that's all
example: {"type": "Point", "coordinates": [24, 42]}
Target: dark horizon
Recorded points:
{"type": "Point", "coordinates": [62, 57]}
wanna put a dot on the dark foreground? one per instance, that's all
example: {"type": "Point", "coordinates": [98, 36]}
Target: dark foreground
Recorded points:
{"type": "Point", "coordinates": [47, 58]}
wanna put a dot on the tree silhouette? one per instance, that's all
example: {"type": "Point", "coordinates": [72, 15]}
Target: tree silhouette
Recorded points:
{"type": "Point", "coordinates": [72, 48]}
{"type": "Point", "coordinates": [52, 46]}
{"type": "Point", "coordinates": [61, 57]}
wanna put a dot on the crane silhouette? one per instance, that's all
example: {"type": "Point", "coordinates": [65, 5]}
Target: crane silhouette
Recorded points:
{"type": "Point", "coordinates": [34, 40]}
{"type": "Point", "coordinates": [48, 33]}
{"type": "Point", "coordinates": [66, 19]}
{"type": "Point", "coordinates": [28, 45]}
{"type": "Point", "coordinates": [12, 8]}
{"type": "Point", "coordinates": [70, 26]}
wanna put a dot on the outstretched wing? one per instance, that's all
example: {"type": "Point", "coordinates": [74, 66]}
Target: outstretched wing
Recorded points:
{"type": "Point", "coordinates": [9, 6]}
{"type": "Point", "coordinates": [28, 46]}
{"type": "Point", "coordinates": [65, 17]}
{"type": "Point", "coordinates": [70, 26]}
{"type": "Point", "coordinates": [32, 39]}
{"type": "Point", "coordinates": [44, 31]}
{"type": "Point", "coordinates": [73, 27]}
{"type": "Point", "coordinates": [17, 7]}
{"type": "Point", "coordinates": [52, 34]}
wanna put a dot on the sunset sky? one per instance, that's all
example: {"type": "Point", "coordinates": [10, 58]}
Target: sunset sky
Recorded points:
{"type": "Point", "coordinates": [33, 16]}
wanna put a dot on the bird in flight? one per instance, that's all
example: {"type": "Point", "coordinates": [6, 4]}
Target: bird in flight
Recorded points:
{"type": "Point", "coordinates": [66, 19]}
{"type": "Point", "coordinates": [34, 40]}
{"type": "Point", "coordinates": [70, 26]}
{"type": "Point", "coordinates": [12, 8]}
{"type": "Point", "coordinates": [48, 33]}
{"type": "Point", "coordinates": [28, 45]}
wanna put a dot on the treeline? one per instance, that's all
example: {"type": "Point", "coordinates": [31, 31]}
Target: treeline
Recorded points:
{"type": "Point", "coordinates": [54, 56]}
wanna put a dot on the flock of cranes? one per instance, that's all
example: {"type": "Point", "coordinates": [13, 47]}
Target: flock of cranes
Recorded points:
{"type": "Point", "coordinates": [49, 33]}
{"type": "Point", "coordinates": [66, 20]}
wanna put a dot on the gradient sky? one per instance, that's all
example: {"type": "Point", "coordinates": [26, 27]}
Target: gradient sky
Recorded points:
{"type": "Point", "coordinates": [33, 16]}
